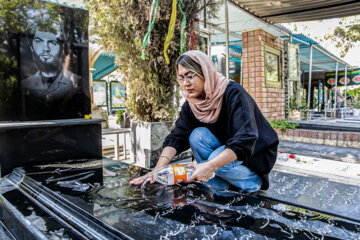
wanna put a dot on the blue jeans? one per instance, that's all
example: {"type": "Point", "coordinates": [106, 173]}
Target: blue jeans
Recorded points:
{"type": "Point", "coordinates": [206, 147]}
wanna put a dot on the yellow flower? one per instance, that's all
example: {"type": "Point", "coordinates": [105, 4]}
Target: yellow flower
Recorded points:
{"type": "Point", "coordinates": [87, 117]}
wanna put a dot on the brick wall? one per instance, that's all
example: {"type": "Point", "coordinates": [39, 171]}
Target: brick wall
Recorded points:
{"type": "Point", "coordinates": [271, 100]}
{"type": "Point", "coordinates": [331, 138]}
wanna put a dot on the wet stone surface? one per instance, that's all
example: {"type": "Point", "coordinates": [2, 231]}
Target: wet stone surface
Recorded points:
{"type": "Point", "coordinates": [47, 225]}
{"type": "Point", "coordinates": [101, 189]}
{"type": "Point", "coordinates": [315, 193]}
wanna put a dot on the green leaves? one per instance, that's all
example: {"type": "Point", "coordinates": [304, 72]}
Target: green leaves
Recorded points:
{"type": "Point", "coordinates": [283, 124]}
{"type": "Point", "coordinates": [121, 26]}
{"type": "Point", "coordinates": [346, 34]}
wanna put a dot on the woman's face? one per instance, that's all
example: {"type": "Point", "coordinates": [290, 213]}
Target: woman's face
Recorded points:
{"type": "Point", "coordinates": [191, 83]}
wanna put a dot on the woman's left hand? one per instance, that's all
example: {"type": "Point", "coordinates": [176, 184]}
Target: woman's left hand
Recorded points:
{"type": "Point", "coordinates": [203, 172]}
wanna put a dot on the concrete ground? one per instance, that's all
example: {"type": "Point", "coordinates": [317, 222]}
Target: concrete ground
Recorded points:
{"type": "Point", "coordinates": [321, 151]}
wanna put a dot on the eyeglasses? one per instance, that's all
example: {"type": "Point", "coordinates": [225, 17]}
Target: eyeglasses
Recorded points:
{"type": "Point", "coordinates": [189, 77]}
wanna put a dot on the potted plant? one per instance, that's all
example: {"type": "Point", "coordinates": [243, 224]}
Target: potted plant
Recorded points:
{"type": "Point", "coordinates": [294, 113]}
{"type": "Point", "coordinates": [151, 81]}
{"type": "Point", "coordinates": [356, 106]}
{"type": "Point", "coordinates": [120, 118]}
{"type": "Point", "coordinates": [355, 100]}
{"type": "Point", "coordinates": [297, 111]}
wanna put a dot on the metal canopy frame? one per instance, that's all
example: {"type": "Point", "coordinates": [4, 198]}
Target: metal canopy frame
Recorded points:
{"type": "Point", "coordinates": [285, 11]}
{"type": "Point", "coordinates": [234, 19]}
{"type": "Point", "coordinates": [239, 20]}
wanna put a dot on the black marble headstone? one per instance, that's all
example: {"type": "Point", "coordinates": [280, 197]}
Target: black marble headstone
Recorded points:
{"type": "Point", "coordinates": [40, 142]}
{"type": "Point", "coordinates": [95, 198]}
{"type": "Point", "coordinates": [44, 85]}
{"type": "Point", "coordinates": [44, 70]}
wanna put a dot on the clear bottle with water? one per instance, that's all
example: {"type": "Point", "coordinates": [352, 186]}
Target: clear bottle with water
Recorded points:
{"type": "Point", "coordinates": [172, 174]}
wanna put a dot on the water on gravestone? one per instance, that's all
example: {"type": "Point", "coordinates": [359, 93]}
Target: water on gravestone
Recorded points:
{"type": "Point", "coordinates": [183, 211]}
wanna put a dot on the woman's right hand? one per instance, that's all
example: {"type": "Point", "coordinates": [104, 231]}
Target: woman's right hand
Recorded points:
{"type": "Point", "coordinates": [140, 180]}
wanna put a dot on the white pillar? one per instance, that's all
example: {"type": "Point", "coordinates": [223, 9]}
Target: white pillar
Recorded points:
{"type": "Point", "coordinates": [310, 73]}
{"type": "Point", "coordinates": [336, 80]}
{"type": "Point", "coordinates": [345, 87]}
{"type": "Point", "coordinates": [227, 39]}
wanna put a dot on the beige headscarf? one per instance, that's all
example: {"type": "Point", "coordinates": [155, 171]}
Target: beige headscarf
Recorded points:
{"type": "Point", "coordinates": [207, 110]}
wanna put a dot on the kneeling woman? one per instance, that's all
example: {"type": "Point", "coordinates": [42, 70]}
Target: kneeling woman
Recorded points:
{"type": "Point", "coordinates": [224, 128]}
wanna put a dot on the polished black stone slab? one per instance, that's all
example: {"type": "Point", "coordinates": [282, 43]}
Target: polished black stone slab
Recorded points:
{"type": "Point", "coordinates": [4, 233]}
{"type": "Point", "coordinates": [6, 126]}
{"type": "Point", "coordinates": [329, 126]}
{"type": "Point", "coordinates": [98, 198]}
{"type": "Point", "coordinates": [40, 142]}
{"type": "Point", "coordinates": [338, 199]}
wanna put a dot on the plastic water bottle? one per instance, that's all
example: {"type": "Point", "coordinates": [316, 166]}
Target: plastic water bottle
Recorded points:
{"type": "Point", "coordinates": [169, 175]}
{"type": "Point", "coordinates": [172, 174]}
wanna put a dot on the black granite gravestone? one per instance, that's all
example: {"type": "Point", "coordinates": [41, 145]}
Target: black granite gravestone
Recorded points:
{"type": "Point", "coordinates": [93, 200]}
{"type": "Point", "coordinates": [44, 85]}
{"type": "Point", "coordinates": [44, 71]}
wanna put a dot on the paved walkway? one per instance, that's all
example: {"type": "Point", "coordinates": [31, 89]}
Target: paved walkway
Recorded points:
{"type": "Point", "coordinates": [321, 151]}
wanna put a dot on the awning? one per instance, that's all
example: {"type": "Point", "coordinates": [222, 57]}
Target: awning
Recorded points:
{"type": "Point", "coordinates": [322, 60]}
{"type": "Point", "coordinates": [240, 20]}
{"type": "Point", "coordinates": [285, 11]}
{"type": "Point", "coordinates": [103, 66]}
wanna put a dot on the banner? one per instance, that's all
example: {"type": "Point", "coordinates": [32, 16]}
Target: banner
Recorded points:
{"type": "Point", "coordinates": [352, 78]}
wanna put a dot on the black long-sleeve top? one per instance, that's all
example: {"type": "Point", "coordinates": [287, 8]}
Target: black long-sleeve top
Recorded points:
{"type": "Point", "coordinates": [241, 127]}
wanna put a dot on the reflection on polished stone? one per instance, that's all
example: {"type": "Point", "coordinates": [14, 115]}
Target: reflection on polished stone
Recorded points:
{"type": "Point", "coordinates": [42, 142]}
{"type": "Point", "coordinates": [315, 193]}
{"type": "Point", "coordinates": [98, 193]}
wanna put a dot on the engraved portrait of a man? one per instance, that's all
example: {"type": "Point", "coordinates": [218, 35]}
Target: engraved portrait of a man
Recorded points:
{"type": "Point", "coordinates": [52, 79]}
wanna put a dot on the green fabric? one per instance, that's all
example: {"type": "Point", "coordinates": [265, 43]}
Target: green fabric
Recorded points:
{"type": "Point", "coordinates": [154, 6]}
{"type": "Point", "coordinates": [182, 26]}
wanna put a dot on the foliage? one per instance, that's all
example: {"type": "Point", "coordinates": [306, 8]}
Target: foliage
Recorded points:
{"type": "Point", "coordinates": [355, 95]}
{"type": "Point", "coordinates": [346, 34]}
{"type": "Point", "coordinates": [8, 83]}
{"type": "Point", "coordinates": [121, 26]}
{"type": "Point", "coordinates": [23, 16]}
{"type": "Point", "coordinates": [119, 115]}
{"type": "Point", "coordinates": [293, 104]}
{"type": "Point", "coordinates": [283, 124]}
{"type": "Point", "coordinates": [356, 104]}
{"type": "Point", "coordinates": [19, 18]}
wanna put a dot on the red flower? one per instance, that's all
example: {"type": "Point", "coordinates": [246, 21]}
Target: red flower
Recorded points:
{"type": "Point", "coordinates": [292, 156]}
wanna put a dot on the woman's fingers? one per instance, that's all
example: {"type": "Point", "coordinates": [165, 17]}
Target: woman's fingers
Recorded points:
{"type": "Point", "coordinates": [190, 179]}
{"type": "Point", "coordinates": [135, 181]}
{"type": "Point", "coordinates": [202, 173]}
{"type": "Point", "coordinates": [192, 165]}
{"type": "Point", "coordinates": [139, 180]}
